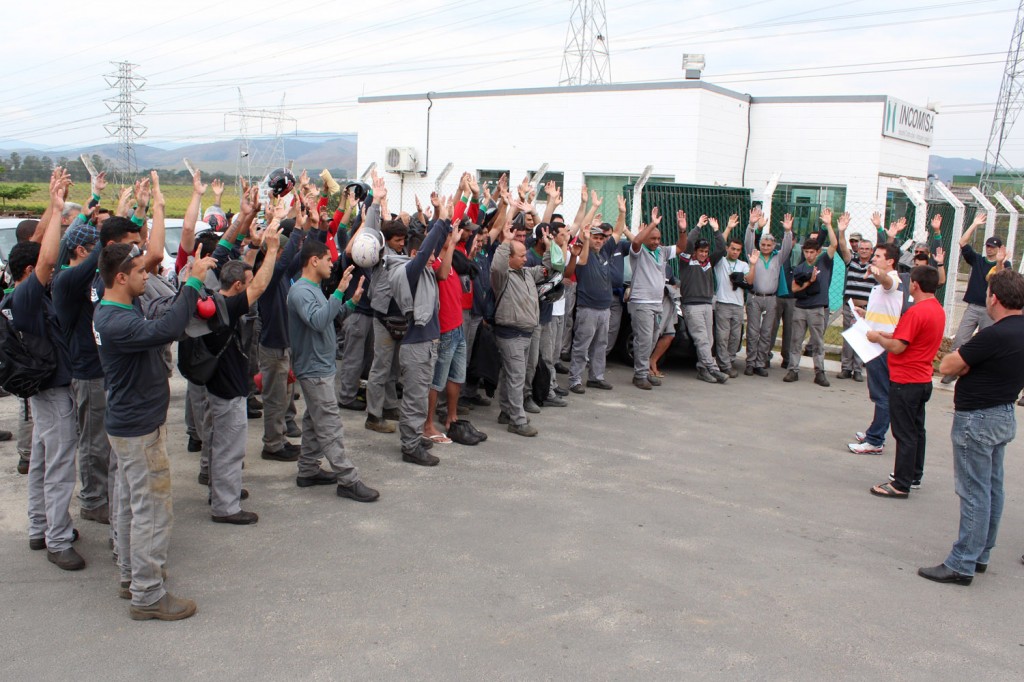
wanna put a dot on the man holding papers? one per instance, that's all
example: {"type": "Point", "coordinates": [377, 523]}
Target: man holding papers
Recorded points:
{"type": "Point", "coordinates": [883, 313]}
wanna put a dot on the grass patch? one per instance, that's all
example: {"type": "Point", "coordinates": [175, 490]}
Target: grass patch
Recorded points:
{"type": "Point", "coordinates": [177, 197]}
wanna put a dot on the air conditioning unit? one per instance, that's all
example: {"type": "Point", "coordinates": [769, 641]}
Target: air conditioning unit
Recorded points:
{"type": "Point", "coordinates": [400, 160]}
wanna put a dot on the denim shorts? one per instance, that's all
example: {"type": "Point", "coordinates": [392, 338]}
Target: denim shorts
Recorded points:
{"type": "Point", "coordinates": [451, 360]}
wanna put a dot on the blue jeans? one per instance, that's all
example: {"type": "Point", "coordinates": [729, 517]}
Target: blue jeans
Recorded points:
{"type": "Point", "coordinates": [451, 360]}
{"type": "Point", "coordinates": [979, 444]}
{"type": "Point", "coordinates": [878, 391]}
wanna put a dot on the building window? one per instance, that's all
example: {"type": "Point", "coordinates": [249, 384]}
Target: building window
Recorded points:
{"type": "Point", "coordinates": [559, 179]}
{"type": "Point", "coordinates": [805, 203]}
{"type": "Point", "coordinates": [609, 187]}
{"type": "Point", "coordinates": [490, 178]}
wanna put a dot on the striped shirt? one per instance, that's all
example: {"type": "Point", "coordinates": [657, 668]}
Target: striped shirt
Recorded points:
{"type": "Point", "coordinates": [858, 287]}
{"type": "Point", "coordinates": [885, 305]}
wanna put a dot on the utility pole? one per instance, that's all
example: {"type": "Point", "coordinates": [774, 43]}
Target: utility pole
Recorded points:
{"type": "Point", "coordinates": [1008, 106]}
{"type": "Point", "coordinates": [586, 60]}
{"type": "Point", "coordinates": [127, 106]}
{"type": "Point", "coordinates": [253, 158]}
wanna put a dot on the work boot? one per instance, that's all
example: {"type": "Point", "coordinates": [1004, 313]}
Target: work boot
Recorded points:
{"type": "Point", "coordinates": [732, 372]}
{"type": "Point", "coordinates": [653, 380]}
{"type": "Point", "coordinates": [845, 374]}
{"type": "Point", "coordinates": [358, 491]}
{"type": "Point", "coordinates": [531, 406]}
{"type": "Point", "coordinates": [460, 433]}
{"type": "Point", "coordinates": [477, 400]}
{"type": "Point", "coordinates": [168, 607]}
{"type": "Point", "coordinates": [356, 405]}
{"type": "Point", "coordinates": [392, 414]}
{"type": "Point", "coordinates": [704, 375]}
{"type": "Point", "coordinates": [319, 478]}
{"type": "Point", "coordinates": [720, 377]}
{"type": "Point", "coordinates": [66, 559]}
{"type": "Point", "coordinates": [378, 424]}
{"type": "Point", "coordinates": [821, 379]}
{"type": "Point", "coordinates": [283, 455]}
{"type": "Point", "coordinates": [858, 376]}
{"type": "Point", "coordinates": [472, 429]}
{"type": "Point", "coordinates": [239, 518]}
{"type": "Point", "coordinates": [761, 371]}
{"type": "Point", "coordinates": [194, 444]}
{"type": "Point", "coordinates": [421, 457]}
{"type": "Point", "coordinates": [555, 401]}
{"type": "Point", "coordinates": [292, 430]}
{"type": "Point", "coordinates": [791, 376]}
{"type": "Point", "coordinates": [642, 383]}
{"type": "Point", "coordinates": [599, 383]}
{"type": "Point", "coordinates": [748, 371]}
{"type": "Point", "coordinates": [100, 514]}
{"type": "Point", "coordinates": [522, 430]}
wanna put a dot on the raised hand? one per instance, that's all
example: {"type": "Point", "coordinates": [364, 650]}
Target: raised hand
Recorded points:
{"type": "Point", "coordinates": [787, 222]}
{"type": "Point", "coordinates": [281, 209]}
{"type": "Point", "coordinates": [271, 237]}
{"type": "Point", "coordinates": [310, 202]}
{"type": "Point", "coordinates": [142, 192]}
{"type": "Point", "coordinates": [524, 188]}
{"type": "Point", "coordinates": [656, 216]}
{"type": "Point", "coordinates": [596, 200]}
{"type": "Point", "coordinates": [714, 224]}
{"type": "Point", "coordinates": [60, 180]}
{"type": "Point", "coordinates": [734, 220]}
{"type": "Point", "coordinates": [755, 215]}
{"type": "Point", "coordinates": [584, 194]}
{"type": "Point", "coordinates": [752, 257]}
{"type": "Point", "coordinates": [346, 278]}
{"type": "Point", "coordinates": [197, 183]}
{"type": "Point", "coordinates": [681, 220]}
{"type": "Point", "coordinates": [474, 186]}
{"type": "Point", "coordinates": [876, 220]}
{"type": "Point", "coordinates": [621, 200]}
{"type": "Point", "coordinates": [826, 215]}
{"type": "Point", "coordinates": [894, 229]}
{"type": "Point", "coordinates": [940, 255]}
{"type": "Point", "coordinates": [99, 183]}
{"type": "Point", "coordinates": [1001, 255]}
{"type": "Point", "coordinates": [702, 220]}
{"type": "Point", "coordinates": [979, 219]}
{"type": "Point", "coordinates": [380, 189]}
{"type": "Point", "coordinates": [814, 275]}
{"type": "Point", "coordinates": [154, 183]}
{"type": "Point", "coordinates": [844, 221]}
{"type": "Point", "coordinates": [358, 293]}
{"type": "Point", "coordinates": [554, 194]}
{"type": "Point", "coordinates": [249, 202]}
{"type": "Point", "coordinates": [218, 189]}
{"type": "Point", "coordinates": [937, 222]}
{"type": "Point", "coordinates": [200, 266]}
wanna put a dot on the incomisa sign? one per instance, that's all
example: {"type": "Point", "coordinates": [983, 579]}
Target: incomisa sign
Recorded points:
{"type": "Point", "coordinates": [904, 121]}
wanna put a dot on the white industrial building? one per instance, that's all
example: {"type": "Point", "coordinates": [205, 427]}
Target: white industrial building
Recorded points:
{"type": "Point", "coordinates": [852, 151]}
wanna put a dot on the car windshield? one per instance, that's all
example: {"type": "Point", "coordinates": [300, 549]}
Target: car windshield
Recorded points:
{"type": "Point", "coordinates": [8, 238]}
{"type": "Point", "coordinates": [172, 237]}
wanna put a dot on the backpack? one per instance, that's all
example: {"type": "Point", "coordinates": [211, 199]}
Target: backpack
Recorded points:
{"type": "Point", "coordinates": [27, 361]}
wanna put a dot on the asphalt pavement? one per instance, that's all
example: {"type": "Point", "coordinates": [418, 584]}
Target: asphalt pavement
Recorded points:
{"type": "Point", "coordinates": [694, 531]}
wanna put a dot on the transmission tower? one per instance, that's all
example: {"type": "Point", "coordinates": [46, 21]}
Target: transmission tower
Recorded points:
{"type": "Point", "coordinates": [586, 60]}
{"type": "Point", "coordinates": [256, 160]}
{"type": "Point", "coordinates": [1008, 107]}
{"type": "Point", "coordinates": [127, 106]}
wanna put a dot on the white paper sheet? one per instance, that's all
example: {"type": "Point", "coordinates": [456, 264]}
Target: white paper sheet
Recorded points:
{"type": "Point", "coordinates": [857, 337]}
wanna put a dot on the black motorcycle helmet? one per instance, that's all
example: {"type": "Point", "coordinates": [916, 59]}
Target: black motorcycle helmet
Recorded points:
{"type": "Point", "coordinates": [280, 181]}
{"type": "Point", "coordinates": [361, 189]}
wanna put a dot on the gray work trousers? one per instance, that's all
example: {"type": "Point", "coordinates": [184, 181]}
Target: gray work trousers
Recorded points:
{"type": "Point", "coordinates": [570, 308]}
{"type": "Point", "coordinates": [784, 308]}
{"type": "Point", "coordinates": [93, 447]}
{"type": "Point", "coordinates": [646, 322]}
{"type": "Point", "coordinates": [851, 362]}
{"type": "Point", "coordinates": [760, 317]}
{"type": "Point", "coordinates": [728, 333]}
{"type": "Point", "coordinates": [416, 361]}
{"type": "Point", "coordinates": [589, 342]}
{"type": "Point", "coordinates": [25, 429]}
{"type": "Point", "coordinates": [812, 319]}
{"type": "Point", "coordinates": [700, 322]}
{"type": "Point", "coordinates": [551, 336]}
{"type": "Point", "coordinates": [322, 432]}
{"type": "Point", "coordinates": [513, 368]}
{"type": "Point", "coordinates": [470, 325]}
{"type": "Point", "coordinates": [145, 513]}
{"type": "Point", "coordinates": [278, 400]}
{"type": "Point", "coordinates": [226, 432]}
{"type": "Point", "coordinates": [380, 385]}
{"type": "Point", "coordinates": [532, 358]}
{"type": "Point", "coordinates": [198, 397]}
{"type": "Point", "coordinates": [191, 428]}
{"type": "Point", "coordinates": [614, 322]}
{"type": "Point", "coordinates": [357, 331]}
{"type": "Point", "coordinates": [975, 318]}
{"type": "Point", "coordinates": [51, 471]}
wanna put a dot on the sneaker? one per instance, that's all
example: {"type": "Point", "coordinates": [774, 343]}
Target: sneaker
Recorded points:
{"type": "Point", "coordinates": [531, 406]}
{"type": "Point", "coordinates": [239, 518]}
{"type": "Point", "coordinates": [391, 413]}
{"type": "Point", "coordinates": [356, 405]}
{"type": "Point", "coordinates": [359, 491]}
{"type": "Point", "coordinates": [66, 559]}
{"type": "Point", "coordinates": [378, 424]}
{"type": "Point", "coordinates": [865, 448]}
{"type": "Point", "coordinates": [100, 514]}
{"type": "Point", "coordinates": [168, 607]}
{"type": "Point", "coordinates": [860, 436]}
{"type": "Point", "coordinates": [285, 454]}
{"type": "Point", "coordinates": [704, 375]}
{"type": "Point", "coordinates": [319, 478]}
{"type": "Point", "coordinates": [791, 376]}
{"type": "Point", "coordinates": [420, 457]}
{"type": "Point", "coordinates": [821, 379]}
{"type": "Point", "coordinates": [599, 383]}
{"type": "Point", "coordinates": [748, 371]}
{"type": "Point", "coordinates": [577, 389]}
{"type": "Point", "coordinates": [845, 374]}
{"type": "Point", "coordinates": [761, 371]}
{"type": "Point", "coordinates": [522, 430]}
{"type": "Point", "coordinates": [653, 380]}
{"type": "Point", "coordinates": [642, 383]}
{"type": "Point", "coordinates": [194, 444]}
{"type": "Point", "coordinates": [555, 401]}
{"type": "Point", "coordinates": [916, 485]}
{"type": "Point", "coordinates": [858, 376]}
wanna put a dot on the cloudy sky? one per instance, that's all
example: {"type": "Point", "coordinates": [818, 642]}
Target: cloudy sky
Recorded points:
{"type": "Point", "coordinates": [321, 57]}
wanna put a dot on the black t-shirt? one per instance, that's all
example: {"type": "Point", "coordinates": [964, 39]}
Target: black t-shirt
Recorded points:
{"type": "Point", "coordinates": [72, 291]}
{"type": "Point", "coordinates": [231, 378]}
{"type": "Point", "coordinates": [996, 358]}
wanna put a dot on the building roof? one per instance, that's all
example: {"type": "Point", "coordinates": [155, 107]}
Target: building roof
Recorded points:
{"type": "Point", "coordinates": [627, 87]}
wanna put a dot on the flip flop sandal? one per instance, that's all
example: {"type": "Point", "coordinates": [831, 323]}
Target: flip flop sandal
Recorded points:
{"type": "Point", "coordinates": [886, 490]}
{"type": "Point", "coordinates": [440, 438]}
